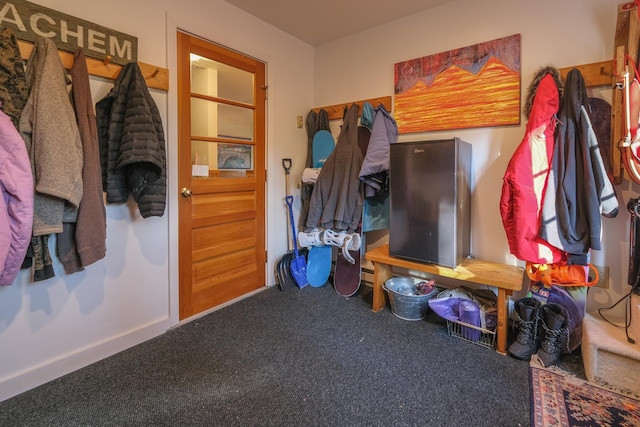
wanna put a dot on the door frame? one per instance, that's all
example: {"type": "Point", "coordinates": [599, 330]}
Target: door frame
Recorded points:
{"type": "Point", "coordinates": [174, 24]}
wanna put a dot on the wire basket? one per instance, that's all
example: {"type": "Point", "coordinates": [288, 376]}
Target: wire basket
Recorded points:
{"type": "Point", "coordinates": [472, 334]}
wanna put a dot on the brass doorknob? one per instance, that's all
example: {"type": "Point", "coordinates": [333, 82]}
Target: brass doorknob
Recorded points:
{"type": "Point", "coordinates": [185, 192]}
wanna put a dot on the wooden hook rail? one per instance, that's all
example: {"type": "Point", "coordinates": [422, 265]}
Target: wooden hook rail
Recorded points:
{"type": "Point", "coordinates": [595, 74]}
{"type": "Point", "coordinates": [337, 111]}
{"type": "Point", "coordinates": [156, 77]}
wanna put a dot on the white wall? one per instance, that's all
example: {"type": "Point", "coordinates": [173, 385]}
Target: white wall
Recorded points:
{"type": "Point", "coordinates": [53, 327]}
{"type": "Point", "coordinates": [559, 33]}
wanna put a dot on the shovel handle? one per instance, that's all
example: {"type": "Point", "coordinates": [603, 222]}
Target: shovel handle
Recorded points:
{"type": "Point", "coordinates": [293, 226]}
{"type": "Point", "coordinates": [286, 164]}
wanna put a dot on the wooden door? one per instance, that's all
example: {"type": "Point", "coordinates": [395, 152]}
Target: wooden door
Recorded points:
{"type": "Point", "coordinates": [221, 167]}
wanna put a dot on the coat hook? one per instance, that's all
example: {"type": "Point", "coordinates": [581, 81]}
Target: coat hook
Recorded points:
{"type": "Point", "coordinates": [155, 73]}
{"type": "Point", "coordinates": [107, 60]}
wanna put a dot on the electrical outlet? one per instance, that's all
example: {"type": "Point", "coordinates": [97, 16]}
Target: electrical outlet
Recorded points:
{"type": "Point", "coordinates": [603, 271]}
{"type": "Point", "coordinates": [299, 121]}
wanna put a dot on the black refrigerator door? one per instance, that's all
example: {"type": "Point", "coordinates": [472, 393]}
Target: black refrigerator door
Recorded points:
{"type": "Point", "coordinates": [425, 201]}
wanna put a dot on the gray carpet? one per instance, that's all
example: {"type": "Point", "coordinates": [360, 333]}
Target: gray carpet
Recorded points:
{"type": "Point", "coordinates": [298, 358]}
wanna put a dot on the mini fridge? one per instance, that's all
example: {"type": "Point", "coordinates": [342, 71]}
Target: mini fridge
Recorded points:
{"type": "Point", "coordinates": [430, 201]}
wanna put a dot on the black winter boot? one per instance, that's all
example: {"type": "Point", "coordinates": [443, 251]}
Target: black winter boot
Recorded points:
{"type": "Point", "coordinates": [527, 341]}
{"type": "Point", "coordinates": [555, 320]}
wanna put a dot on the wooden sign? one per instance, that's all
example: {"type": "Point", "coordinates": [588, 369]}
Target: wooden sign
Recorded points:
{"type": "Point", "coordinates": [30, 21]}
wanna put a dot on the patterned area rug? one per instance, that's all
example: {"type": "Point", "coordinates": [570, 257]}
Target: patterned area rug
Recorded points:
{"type": "Point", "coordinates": [560, 399]}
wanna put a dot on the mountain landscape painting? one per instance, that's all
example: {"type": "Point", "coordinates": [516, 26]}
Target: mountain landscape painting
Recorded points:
{"type": "Point", "coordinates": [474, 86]}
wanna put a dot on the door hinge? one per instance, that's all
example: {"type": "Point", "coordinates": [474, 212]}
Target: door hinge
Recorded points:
{"type": "Point", "coordinates": [266, 91]}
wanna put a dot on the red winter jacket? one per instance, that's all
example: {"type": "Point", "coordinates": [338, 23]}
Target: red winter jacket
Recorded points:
{"type": "Point", "coordinates": [526, 175]}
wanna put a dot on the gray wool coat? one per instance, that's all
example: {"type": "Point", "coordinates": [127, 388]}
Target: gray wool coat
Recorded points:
{"type": "Point", "coordinates": [49, 129]}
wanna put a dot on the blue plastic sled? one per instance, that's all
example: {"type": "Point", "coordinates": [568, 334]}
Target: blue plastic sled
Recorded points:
{"type": "Point", "coordinates": [319, 265]}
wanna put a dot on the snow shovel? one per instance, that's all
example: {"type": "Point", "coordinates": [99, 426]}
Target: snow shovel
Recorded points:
{"type": "Point", "coordinates": [286, 164]}
{"type": "Point", "coordinates": [298, 263]}
{"type": "Point", "coordinates": [285, 278]}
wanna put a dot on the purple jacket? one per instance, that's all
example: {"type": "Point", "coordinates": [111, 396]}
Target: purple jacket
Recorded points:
{"type": "Point", "coordinates": [16, 203]}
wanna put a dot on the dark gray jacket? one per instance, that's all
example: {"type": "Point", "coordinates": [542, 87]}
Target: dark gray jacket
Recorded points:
{"type": "Point", "coordinates": [132, 145]}
{"type": "Point", "coordinates": [578, 189]}
{"type": "Point", "coordinates": [337, 198]}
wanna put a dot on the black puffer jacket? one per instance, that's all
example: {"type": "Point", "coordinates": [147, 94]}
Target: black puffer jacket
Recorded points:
{"type": "Point", "coordinates": [132, 145]}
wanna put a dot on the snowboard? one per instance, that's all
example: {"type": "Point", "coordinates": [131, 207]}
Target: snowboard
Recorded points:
{"type": "Point", "coordinates": [346, 277]}
{"type": "Point", "coordinates": [319, 258]}
{"type": "Point", "coordinates": [323, 145]}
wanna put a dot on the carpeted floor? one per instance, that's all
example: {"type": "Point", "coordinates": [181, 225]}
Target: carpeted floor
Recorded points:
{"type": "Point", "coordinates": [560, 399]}
{"type": "Point", "coordinates": [304, 357]}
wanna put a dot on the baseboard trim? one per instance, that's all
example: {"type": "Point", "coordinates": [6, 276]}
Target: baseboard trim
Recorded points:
{"type": "Point", "coordinates": [55, 368]}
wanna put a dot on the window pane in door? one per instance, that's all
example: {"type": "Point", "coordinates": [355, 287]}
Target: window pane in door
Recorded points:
{"type": "Point", "coordinates": [212, 78]}
{"type": "Point", "coordinates": [214, 159]}
{"type": "Point", "coordinates": [217, 120]}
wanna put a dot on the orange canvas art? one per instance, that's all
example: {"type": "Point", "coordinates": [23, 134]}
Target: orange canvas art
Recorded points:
{"type": "Point", "coordinates": [474, 86]}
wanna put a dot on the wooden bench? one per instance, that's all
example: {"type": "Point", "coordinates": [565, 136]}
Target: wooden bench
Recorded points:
{"type": "Point", "coordinates": [506, 278]}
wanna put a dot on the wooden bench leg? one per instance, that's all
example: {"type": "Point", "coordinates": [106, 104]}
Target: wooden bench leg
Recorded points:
{"type": "Point", "coordinates": [381, 273]}
{"type": "Point", "coordinates": [503, 319]}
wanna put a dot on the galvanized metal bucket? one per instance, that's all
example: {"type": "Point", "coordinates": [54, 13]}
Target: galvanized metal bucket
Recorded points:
{"type": "Point", "coordinates": [405, 303]}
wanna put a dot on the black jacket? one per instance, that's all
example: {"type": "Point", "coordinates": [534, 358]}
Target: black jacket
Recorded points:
{"type": "Point", "coordinates": [578, 189]}
{"type": "Point", "coordinates": [132, 145]}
